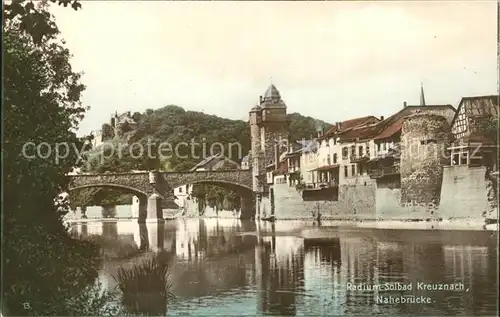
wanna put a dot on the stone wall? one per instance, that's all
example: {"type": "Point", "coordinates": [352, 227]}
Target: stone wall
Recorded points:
{"type": "Point", "coordinates": [465, 194]}
{"type": "Point", "coordinates": [424, 140]}
{"type": "Point", "coordinates": [354, 202]}
{"type": "Point", "coordinates": [388, 207]}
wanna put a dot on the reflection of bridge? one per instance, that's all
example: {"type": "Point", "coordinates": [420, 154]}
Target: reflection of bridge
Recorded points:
{"type": "Point", "coordinates": [152, 187]}
{"type": "Point", "coordinates": [294, 276]}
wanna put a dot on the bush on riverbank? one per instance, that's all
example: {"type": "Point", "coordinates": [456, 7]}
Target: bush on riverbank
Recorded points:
{"type": "Point", "coordinates": [91, 301]}
{"type": "Point", "coordinates": [146, 286]}
{"type": "Point", "coordinates": [43, 268]}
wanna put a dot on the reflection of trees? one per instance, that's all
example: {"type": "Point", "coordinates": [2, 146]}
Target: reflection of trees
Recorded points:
{"type": "Point", "coordinates": [279, 281]}
{"type": "Point", "coordinates": [110, 230]}
{"type": "Point", "coordinates": [144, 238]}
{"type": "Point", "coordinates": [85, 229]}
{"type": "Point", "coordinates": [476, 267]}
{"type": "Point", "coordinates": [329, 250]}
{"type": "Point", "coordinates": [214, 263]}
{"type": "Point", "coordinates": [359, 253]}
{"type": "Point", "coordinates": [430, 260]}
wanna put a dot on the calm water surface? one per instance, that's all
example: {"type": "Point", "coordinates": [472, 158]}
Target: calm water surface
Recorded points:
{"type": "Point", "coordinates": [230, 267]}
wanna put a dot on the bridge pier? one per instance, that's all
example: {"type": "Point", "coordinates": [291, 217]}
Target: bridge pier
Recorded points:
{"type": "Point", "coordinates": [247, 208]}
{"type": "Point", "coordinates": [83, 212]}
{"type": "Point", "coordinates": [142, 209]}
{"type": "Point", "coordinates": [154, 209]}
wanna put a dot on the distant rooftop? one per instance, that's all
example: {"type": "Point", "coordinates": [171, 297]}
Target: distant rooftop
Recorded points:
{"type": "Point", "coordinates": [204, 162]}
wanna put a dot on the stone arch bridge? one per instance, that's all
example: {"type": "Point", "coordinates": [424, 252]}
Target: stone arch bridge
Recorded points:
{"type": "Point", "coordinates": [152, 187]}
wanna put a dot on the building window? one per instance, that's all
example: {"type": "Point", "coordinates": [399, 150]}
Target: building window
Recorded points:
{"type": "Point", "coordinates": [367, 151]}
{"type": "Point", "coordinates": [353, 151]}
{"type": "Point", "coordinates": [360, 149]}
{"type": "Point", "coordinates": [334, 141]}
{"type": "Point", "coordinates": [180, 189]}
{"type": "Point", "coordinates": [360, 169]}
{"type": "Point", "coordinates": [328, 161]}
{"type": "Point", "coordinates": [334, 158]}
{"type": "Point", "coordinates": [430, 141]}
{"type": "Point", "coordinates": [384, 146]}
{"type": "Point", "coordinates": [463, 158]}
{"type": "Point", "coordinates": [353, 168]}
{"type": "Point", "coordinates": [345, 151]}
{"type": "Point", "coordinates": [378, 147]}
{"type": "Point", "coordinates": [346, 171]}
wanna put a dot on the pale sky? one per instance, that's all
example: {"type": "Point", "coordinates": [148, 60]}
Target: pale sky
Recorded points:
{"type": "Point", "coordinates": [329, 60]}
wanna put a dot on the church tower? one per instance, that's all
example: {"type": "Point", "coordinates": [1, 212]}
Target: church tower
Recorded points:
{"type": "Point", "coordinates": [269, 130]}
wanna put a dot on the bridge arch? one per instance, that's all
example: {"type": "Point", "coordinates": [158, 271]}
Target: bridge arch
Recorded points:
{"type": "Point", "coordinates": [238, 180]}
{"type": "Point", "coordinates": [124, 188]}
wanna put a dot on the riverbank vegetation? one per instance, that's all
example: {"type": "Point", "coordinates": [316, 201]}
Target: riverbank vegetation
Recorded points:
{"type": "Point", "coordinates": [45, 270]}
{"type": "Point", "coordinates": [146, 287]}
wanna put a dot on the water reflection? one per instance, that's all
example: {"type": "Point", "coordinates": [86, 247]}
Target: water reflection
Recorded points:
{"type": "Point", "coordinates": [232, 267]}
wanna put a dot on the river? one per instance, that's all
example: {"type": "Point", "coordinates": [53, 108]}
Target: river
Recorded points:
{"type": "Point", "coordinates": [231, 267]}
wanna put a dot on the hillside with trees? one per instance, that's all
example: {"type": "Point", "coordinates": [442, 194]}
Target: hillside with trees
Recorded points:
{"type": "Point", "coordinates": [173, 125]}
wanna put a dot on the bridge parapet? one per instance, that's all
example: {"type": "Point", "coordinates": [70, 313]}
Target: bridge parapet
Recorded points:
{"type": "Point", "coordinates": [137, 183]}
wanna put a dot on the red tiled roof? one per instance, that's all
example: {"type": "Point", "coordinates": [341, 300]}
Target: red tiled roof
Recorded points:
{"type": "Point", "coordinates": [391, 129]}
{"type": "Point", "coordinates": [349, 124]}
{"type": "Point", "coordinates": [362, 133]}
{"type": "Point", "coordinates": [394, 123]}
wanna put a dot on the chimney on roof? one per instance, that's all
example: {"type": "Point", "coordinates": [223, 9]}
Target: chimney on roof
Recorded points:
{"type": "Point", "coordinates": [339, 126]}
{"type": "Point", "coordinates": [260, 100]}
{"type": "Point", "coordinates": [422, 97]}
{"type": "Point", "coordinates": [404, 104]}
{"type": "Point", "coordinates": [381, 118]}
{"type": "Point", "coordinates": [319, 129]}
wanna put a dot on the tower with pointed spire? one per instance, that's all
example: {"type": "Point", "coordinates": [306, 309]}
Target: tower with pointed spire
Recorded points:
{"type": "Point", "coordinates": [422, 96]}
{"type": "Point", "coordinates": [269, 129]}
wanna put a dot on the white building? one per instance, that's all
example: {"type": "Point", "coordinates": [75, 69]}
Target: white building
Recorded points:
{"type": "Point", "coordinates": [309, 162]}
{"type": "Point", "coordinates": [182, 194]}
{"type": "Point", "coordinates": [340, 150]}
{"type": "Point", "coordinates": [214, 162]}
{"type": "Point", "coordinates": [97, 140]}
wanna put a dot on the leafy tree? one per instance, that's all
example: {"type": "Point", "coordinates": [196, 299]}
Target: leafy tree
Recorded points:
{"type": "Point", "coordinates": [35, 21]}
{"type": "Point", "coordinates": [108, 132]}
{"type": "Point", "coordinates": [305, 127]}
{"type": "Point", "coordinates": [42, 104]}
{"type": "Point", "coordinates": [42, 265]}
{"type": "Point", "coordinates": [137, 117]}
